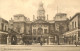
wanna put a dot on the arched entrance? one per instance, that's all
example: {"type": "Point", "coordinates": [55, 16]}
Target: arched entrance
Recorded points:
{"type": "Point", "coordinates": [13, 40]}
{"type": "Point", "coordinates": [39, 33]}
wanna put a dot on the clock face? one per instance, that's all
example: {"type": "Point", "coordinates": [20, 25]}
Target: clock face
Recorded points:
{"type": "Point", "coordinates": [41, 13]}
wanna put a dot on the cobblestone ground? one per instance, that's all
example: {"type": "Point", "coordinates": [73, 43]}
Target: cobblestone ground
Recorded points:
{"type": "Point", "coordinates": [39, 48]}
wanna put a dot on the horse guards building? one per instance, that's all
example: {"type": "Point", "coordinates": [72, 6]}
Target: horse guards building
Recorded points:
{"type": "Point", "coordinates": [21, 30]}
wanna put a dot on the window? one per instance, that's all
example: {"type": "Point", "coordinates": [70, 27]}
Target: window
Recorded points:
{"type": "Point", "coordinates": [5, 28]}
{"type": "Point", "coordinates": [2, 25]}
{"type": "Point", "coordinates": [75, 24]}
{"type": "Point", "coordinates": [34, 31]}
{"type": "Point", "coordinates": [72, 25]}
{"type": "Point", "coordinates": [18, 28]}
{"type": "Point", "coordinates": [45, 31]}
{"type": "Point", "coordinates": [57, 27]}
{"type": "Point", "coordinates": [40, 31]}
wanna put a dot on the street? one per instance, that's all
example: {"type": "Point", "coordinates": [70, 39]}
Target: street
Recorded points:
{"type": "Point", "coordinates": [38, 48]}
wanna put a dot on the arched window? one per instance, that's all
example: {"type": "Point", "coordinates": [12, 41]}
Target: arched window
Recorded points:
{"type": "Point", "coordinates": [5, 28]}
{"type": "Point", "coordinates": [34, 31]}
{"type": "Point", "coordinates": [45, 31]}
{"type": "Point", "coordinates": [18, 28]}
{"type": "Point", "coordinates": [2, 25]}
{"type": "Point", "coordinates": [75, 24]}
{"type": "Point", "coordinates": [40, 31]}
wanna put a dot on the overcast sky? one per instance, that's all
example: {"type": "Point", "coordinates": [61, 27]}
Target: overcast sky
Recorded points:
{"type": "Point", "coordinates": [8, 8]}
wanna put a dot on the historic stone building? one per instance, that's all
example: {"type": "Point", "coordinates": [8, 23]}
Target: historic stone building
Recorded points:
{"type": "Point", "coordinates": [3, 31]}
{"type": "Point", "coordinates": [40, 29]}
{"type": "Point", "coordinates": [73, 35]}
{"type": "Point", "coordinates": [19, 26]}
{"type": "Point", "coordinates": [37, 30]}
{"type": "Point", "coordinates": [60, 30]}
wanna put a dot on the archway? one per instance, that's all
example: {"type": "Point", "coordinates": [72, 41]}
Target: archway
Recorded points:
{"type": "Point", "coordinates": [13, 40]}
{"type": "Point", "coordinates": [40, 31]}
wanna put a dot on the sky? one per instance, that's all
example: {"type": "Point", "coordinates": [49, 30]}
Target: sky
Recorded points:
{"type": "Point", "coordinates": [8, 8]}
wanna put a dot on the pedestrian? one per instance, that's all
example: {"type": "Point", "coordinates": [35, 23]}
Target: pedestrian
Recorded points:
{"type": "Point", "coordinates": [76, 44]}
{"type": "Point", "coordinates": [41, 43]}
{"type": "Point", "coordinates": [69, 42]}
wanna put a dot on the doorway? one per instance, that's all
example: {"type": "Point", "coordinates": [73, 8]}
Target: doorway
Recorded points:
{"type": "Point", "coordinates": [14, 40]}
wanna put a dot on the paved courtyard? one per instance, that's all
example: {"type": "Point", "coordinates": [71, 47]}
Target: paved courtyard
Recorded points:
{"type": "Point", "coordinates": [39, 48]}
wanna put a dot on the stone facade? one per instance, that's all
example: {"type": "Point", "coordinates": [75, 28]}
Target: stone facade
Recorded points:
{"type": "Point", "coordinates": [72, 35]}
{"type": "Point", "coordinates": [21, 30]}
{"type": "Point", "coordinates": [3, 31]}
{"type": "Point", "coordinates": [39, 29]}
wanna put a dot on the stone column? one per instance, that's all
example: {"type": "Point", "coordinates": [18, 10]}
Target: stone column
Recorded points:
{"type": "Point", "coordinates": [55, 38]}
{"type": "Point", "coordinates": [49, 40]}
{"type": "Point", "coordinates": [8, 40]}
{"type": "Point", "coordinates": [77, 37]}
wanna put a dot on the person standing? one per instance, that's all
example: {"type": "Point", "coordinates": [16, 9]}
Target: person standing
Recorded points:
{"type": "Point", "coordinates": [76, 43]}
{"type": "Point", "coordinates": [41, 43]}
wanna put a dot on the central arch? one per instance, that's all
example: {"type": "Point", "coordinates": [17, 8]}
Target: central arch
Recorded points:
{"type": "Point", "coordinates": [40, 31]}
{"type": "Point", "coordinates": [13, 40]}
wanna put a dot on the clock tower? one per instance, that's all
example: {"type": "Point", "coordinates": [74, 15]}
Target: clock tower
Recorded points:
{"type": "Point", "coordinates": [41, 12]}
